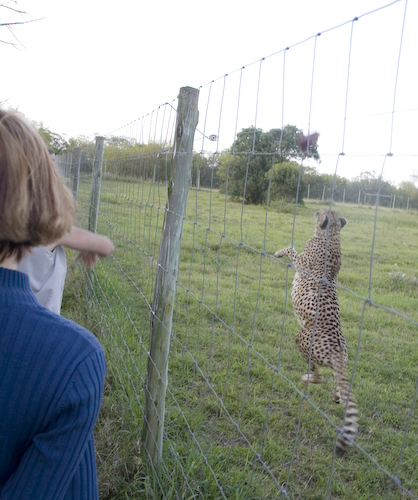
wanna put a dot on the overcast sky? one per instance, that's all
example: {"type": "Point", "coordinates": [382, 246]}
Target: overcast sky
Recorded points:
{"type": "Point", "coordinates": [89, 67]}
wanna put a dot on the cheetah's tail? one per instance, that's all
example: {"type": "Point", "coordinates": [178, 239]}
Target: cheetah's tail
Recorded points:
{"type": "Point", "coordinates": [350, 429]}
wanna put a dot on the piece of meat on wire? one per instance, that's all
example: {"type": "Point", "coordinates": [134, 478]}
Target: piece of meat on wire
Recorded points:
{"type": "Point", "coordinates": [306, 142]}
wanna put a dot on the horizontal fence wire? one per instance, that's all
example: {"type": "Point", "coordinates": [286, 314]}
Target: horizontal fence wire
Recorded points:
{"type": "Point", "coordinates": [239, 423]}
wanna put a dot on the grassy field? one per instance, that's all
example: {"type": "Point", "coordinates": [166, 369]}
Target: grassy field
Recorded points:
{"type": "Point", "coordinates": [238, 422]}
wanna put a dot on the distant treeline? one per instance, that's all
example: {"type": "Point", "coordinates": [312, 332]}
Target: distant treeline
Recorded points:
{"type": "Point", "coordinates": [316, 186]}
{"type": "Point", "coordinates": [258, 165]}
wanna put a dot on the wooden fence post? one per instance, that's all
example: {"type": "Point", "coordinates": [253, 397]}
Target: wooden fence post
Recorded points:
{"type": "Point", "coordinates": [60, 164]}
{"type": "Point", "coordinates": [76, 172]}
{"type": "Point", "coordinates": [68, 165]}
{"type": "Point", "coordinates": [179, 182]}
{"type": "Point", "coordinates": [96, 183]}
{"type": "Point", "coordinates": [198, 176]}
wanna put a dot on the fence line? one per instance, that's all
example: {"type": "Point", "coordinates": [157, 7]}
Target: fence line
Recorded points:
{"type": "Point", "coordinates": [234, 420]}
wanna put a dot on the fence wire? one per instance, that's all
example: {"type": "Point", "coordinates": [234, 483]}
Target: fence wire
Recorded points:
{"type": "Point", "coordinates": [239, 423]}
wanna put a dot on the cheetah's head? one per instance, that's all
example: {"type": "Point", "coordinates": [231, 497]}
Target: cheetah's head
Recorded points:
{"type": "Point", "coordinates": [325, 218]}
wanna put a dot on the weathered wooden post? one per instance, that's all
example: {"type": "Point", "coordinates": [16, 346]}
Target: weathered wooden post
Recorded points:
{"type": "Point", "coordinates": [178, 182]}
{"type": "Point", "coordinates": [68, 165]}
{"type": "Point", "coordinates": [60, 162]}
{"type": "Point", "coordinates": [198, 175]}
{"type": "Point", "coordinates": [76, 172]}
{"type": "Point", "coordinates": [96, 183]}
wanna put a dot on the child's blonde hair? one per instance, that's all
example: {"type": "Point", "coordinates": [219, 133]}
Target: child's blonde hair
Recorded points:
{"type": "Point", "coordinates": [36, 208]}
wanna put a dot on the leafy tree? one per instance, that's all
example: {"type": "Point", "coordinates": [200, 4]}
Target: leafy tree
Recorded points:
{"type": "Point", "coordinates": [368, 183]}
{"type": "Point", "coordinates": [59, 144]}
{"type": "Point", "coordinates": [243, 173]}
{"type": "Point", "coordinates": [129, 158]}
{"type": "Point", "coordinates": [53, 140]}
{"type": "Point", "coordinates": [409, 189]}
{"type": "Point", "coordinates": [206, 168]}
{"type": "Point", "coordinates": [285, 182]}
{"type": "Point", "coordinates": [81, 141]}
{"type": "Point", "coordinates": [315, 181]}
{"type": "Point", "coordinates": [244, 165]}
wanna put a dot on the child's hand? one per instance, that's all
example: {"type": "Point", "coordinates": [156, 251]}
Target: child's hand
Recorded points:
{"type": "Point", "coordinates": [89, 258]}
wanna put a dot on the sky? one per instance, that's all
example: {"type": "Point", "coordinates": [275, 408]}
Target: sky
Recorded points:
{"type": "Point", "coordinates": [91, 67]}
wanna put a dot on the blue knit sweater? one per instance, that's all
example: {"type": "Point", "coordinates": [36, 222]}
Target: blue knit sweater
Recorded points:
{"type": "Point", "coordinates": [51, 383]}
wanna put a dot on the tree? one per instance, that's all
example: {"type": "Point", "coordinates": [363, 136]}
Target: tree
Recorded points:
{"type": "Point", "coordinates": [285, 182]}
{"type": "Point", "coordinates": [59, 144]}
{"type": "Point", "coordinates": [53, 140]}
{"type": "Point", "coordinates": [244, 165]}
{"type": "Point", "coordinates": [369, 184]}
{"type": "Point", "coordinates": [127, 157]}
{"type": "Point", "coordinates": [205, 170]}
{"type": "Point", "coordinates": [14, 17]}
{"type": "Point", "coordinates": [81, 141]}
{"type": "Point", "coordinates": [410, 190]}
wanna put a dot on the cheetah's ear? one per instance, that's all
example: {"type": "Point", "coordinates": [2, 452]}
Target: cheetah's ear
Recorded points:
{"type": "Point", "coordinates": [343, 222]}
{"type": "Point", "coordinates": [325, 223]}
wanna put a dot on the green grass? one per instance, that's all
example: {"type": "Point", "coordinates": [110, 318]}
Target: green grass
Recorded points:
{"type": "Point", "coordinates": [234, 368]}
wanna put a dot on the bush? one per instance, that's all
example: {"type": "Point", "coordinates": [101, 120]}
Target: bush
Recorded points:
{"type": "Point", "coordinates": [285, 182]}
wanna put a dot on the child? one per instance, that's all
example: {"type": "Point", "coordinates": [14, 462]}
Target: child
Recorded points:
{"type": "Point", "coordinates": [46, 266]}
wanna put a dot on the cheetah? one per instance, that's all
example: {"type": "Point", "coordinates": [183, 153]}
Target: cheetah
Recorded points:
{"type": "Point", "coordinates": [315, 302]}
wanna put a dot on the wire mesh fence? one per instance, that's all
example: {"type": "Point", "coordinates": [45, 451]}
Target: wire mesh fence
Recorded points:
{"type": "Point", "coordinates": [238, 422]}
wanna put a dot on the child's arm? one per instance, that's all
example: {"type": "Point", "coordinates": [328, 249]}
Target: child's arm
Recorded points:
{"type": "Point", "coordinates": [86, 241]}
{"type": "Point", "coordinates": [88, 244]}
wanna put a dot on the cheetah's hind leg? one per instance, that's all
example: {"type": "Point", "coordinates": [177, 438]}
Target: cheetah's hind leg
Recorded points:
{"type": "Point", "coordinates": [338, 367]}
{"type": "Point", "coordinates": [336, 396]}
{"type": "Point", "coordinates": [314, 376]}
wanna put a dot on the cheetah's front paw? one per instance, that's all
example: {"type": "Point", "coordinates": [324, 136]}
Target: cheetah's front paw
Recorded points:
{"type": "Point", "coordinates": [281, 253]}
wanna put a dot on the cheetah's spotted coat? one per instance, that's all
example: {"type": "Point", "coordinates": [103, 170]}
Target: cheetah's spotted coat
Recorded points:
{"type": "Point", "coordinates": [315, 302]}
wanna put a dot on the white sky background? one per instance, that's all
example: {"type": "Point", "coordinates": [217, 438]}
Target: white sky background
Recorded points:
{"type": "Point", "coordinates": [91, 67]}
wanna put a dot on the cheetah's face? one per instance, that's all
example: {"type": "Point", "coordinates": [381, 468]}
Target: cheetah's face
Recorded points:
{"type": "Point", "coordinates": [328, 221]}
